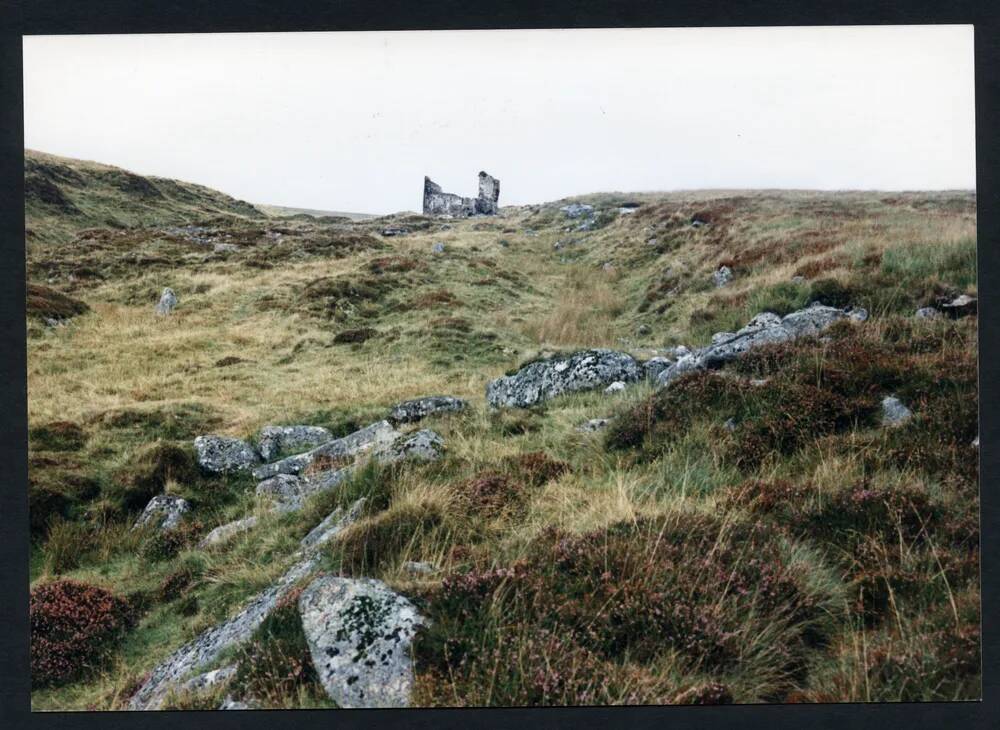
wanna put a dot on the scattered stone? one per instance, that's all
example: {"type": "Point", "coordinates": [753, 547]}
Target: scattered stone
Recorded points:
{"type": "Point", "coordinates": [437, 248]}
{"type": "Point", "coordinates": [221, 454]}
{"type": "Point", "coordinates": [576, 210]}
{"type": "Point", "coordinates": [722, 337]}
{"type": "Point", "coordinates": [730, 424]}
{"type": "Point", "coordinates": [359, 634]}
{"type": "Point", "coordinates": [225, 247]}
{"type": "Point", "coordinates": [594, 424]}
{"type": "Point", "coordinates": [654, 366]}
{"type": "Point", "coordinates": [615, 388]}
{"type": "Point", "coordinates": [608, 267]}
{"type": "Point", "coordinates": [544, 379]}
{"type": "Point", "coordinates": [677, 352]}
{"type": "Point", "coordinates": [273, 440]}
{"type": "Point", "coordinates": [961, 306]}
{"type": "Point", "coordinates": [163, 512]}
{"type": "Point", "coordinates": [858, 314]}
{"type": "Point", "coordinates": [798, 279]}
{"type": "Point", "coordinates": [419, 408]}
{"type": "Point", "coordinates": [643, 330]}
{"type": "Point", "coordinates": [224, 533]}
{"type": "Point", "coordinates": [927, 313]}
{"type": "Point", "coordinates": [894, 413]}
{"type": "Point", "coordinates": [168, 300]}
{"type": "Point", "coordinates": [418, 568]}
{"type": "Point", "coordinates": [763, 329]}
{"type": "Point", "coordinates": [362, 440]}
{"type": "Point", "coordinates": [723, 276]}
{"type": "Point", "coordinates": [424, 445]}
{"type": "Point", "coordinates": [652, 242]}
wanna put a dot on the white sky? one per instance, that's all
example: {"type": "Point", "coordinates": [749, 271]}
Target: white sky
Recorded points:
{"type": "Point", "coordinates": [353, 121]}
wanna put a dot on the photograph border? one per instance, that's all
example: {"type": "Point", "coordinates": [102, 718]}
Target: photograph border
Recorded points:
{"type": "Point", "coordinates": [37, 17]}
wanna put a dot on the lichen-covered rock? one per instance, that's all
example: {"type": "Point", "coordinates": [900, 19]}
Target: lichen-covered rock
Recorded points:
{"type": "Point", "coordinates": [722, 276]}
{"type": "Point", "coordinates": [894, 413]}
{"type": "Point", "coordinates": [927, 313]}
{"type": "Point", "coordinates": [232, 704]}
{"type": "Point", "coordinates": [284, 491]}
{"type": "Point", "coordinates": [419, 408]}
{"type": "Point", "coordinates": [359, 634]}
{"type": "Point", "coordinates": [224, 533]}
{"type": "Point", "coordinates": [615, 388]}
{"type": "Point", "coordinates": [163, 512]}
{"type": "Point", "coordinates": [208, 646]}
{"type": "Point", "coordinates": [209, 680]}
{"type": "Point", "coordinates": [168, 300]}
{"type": "Point", "coordinates": [333, 524]}
{"type": "Point", "coordinates": [424, 445]}
{"type": "Point", "coordinates": [222, 454]}
{"type": "Point", "coordinates": [362, 440]}
{"type": "Point", "coordinates": [544, 379]}
{"type": "Point", "coordinates": [419, 568]}
{"type": "Point", "coordinates": [275, 440]}
{"type": "Point", "coordinates": [577, 210]}
{"type": "Point", "coordinates": [654, 366]}
{"type": "Point", "coordinates": [765, 328]}
{"type": "Point", "coordinates": [437, 248]}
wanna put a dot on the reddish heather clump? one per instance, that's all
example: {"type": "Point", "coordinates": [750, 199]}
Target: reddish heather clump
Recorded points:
{"type": "Point", "coordinates": [536, 467]}
{"type": "Point", "coordinates": [492, 493]}
{"type": "Point", "coordinates": [72, 624]}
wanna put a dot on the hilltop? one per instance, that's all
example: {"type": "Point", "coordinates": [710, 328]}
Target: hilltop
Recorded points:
{"type": "Point", "coordinates": [753, 532]}
{"type": "Point", "coordinates": [63, 196]}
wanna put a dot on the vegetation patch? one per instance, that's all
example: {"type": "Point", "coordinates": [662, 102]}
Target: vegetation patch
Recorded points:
{"type": "Point", "coordinates": [47, 303]}
{"type": "Point", "coordinates": [73, 627]}
{"type": "Point", "coordinates": [149, 471]}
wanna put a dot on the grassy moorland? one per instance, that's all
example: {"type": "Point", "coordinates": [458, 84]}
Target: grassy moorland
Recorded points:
{"type": "Point", "coordinates": [805, 555]}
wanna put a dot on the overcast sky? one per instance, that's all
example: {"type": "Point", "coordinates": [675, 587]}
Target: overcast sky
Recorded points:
{"type": "Point", "coordinates": [353, 121]}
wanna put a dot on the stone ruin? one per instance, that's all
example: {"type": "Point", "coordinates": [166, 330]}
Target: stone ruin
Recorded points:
{"type": "Point", "coordinates": [438, 202]}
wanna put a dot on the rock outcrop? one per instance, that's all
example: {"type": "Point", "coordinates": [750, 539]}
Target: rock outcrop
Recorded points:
{"type": "Point", "coordinates": [353, 444]}
{"type": "Point", "coordinates": [544, 379]}
{"type": "Point", "coordinates": [208, 646]}
{"type": "Point", "coordinates": [765, 328]}
{"type": "Point", "coordinates": [438, 202]}
{"type": "Point", "coordinates": [222, 454]}
{"type": "Point", "coordinates": [359, 634]}
{"type": "Point", "coordinates": [424, 445]}
{"type": "Point", "coordinates": [275, 440]}
{"type": "Point", "coordinates": [163, 512]}
{"type": "Point", "coordinates": [419, 408]}
{"type": "Point", "coordinates": [722, 276]}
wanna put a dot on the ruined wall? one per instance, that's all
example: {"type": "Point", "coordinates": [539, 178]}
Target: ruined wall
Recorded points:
{"type": "Point", "coordinates": [438, 202]}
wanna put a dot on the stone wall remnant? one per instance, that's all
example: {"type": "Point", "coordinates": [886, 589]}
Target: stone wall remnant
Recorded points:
{"type": "Point", "coordinates": [438, 202]}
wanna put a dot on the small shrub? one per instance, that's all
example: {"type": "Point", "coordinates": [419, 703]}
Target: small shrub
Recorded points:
{"type": "Point", "coordinates": [833, 293]}
{"type": "Point", "coordinates": [67, 545]}
{"type": "Point", "coordinates": [72, 625]}
{"type": "Point", "coordinates": [44, 506]}
{"type": "Point", "coordinates": [535, 468]}
{"type": "Point", "coordinates": [57, 436]}
{"type": "Point", "coordinates": [516, 422]}
{"type": "Point", "coordinates": [492, 494]}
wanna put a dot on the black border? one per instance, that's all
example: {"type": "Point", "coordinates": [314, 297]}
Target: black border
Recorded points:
{"type": "Point", "coordinates": [134, 16]}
